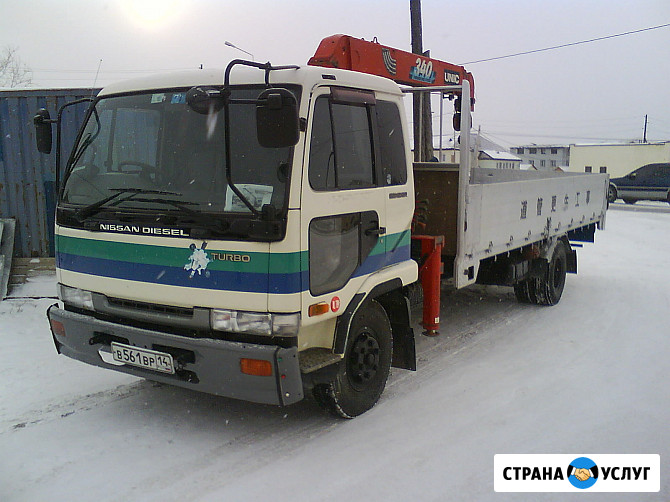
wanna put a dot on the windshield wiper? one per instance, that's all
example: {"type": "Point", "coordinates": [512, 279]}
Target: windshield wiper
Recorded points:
{"type": "Point", "coordinates": [176, 203]}
{"type": "Point", "coordinates": [87, 211]}
{"type": "Point", "coordinates": [86, 141]}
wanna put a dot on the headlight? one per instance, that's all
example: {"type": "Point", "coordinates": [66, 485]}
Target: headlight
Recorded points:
{"type": "Point", "coordinates": [256, 323]}
{"type": "Point", "coordinates": [76, 297]}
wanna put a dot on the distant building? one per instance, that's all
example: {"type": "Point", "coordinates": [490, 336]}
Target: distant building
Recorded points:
{"type": "Point", "coordinates": [495, 159]}
{"type": "Point", "coordinates": [451, 153]}
{"type": "Point", "coordinates": [544, 157]}
{"type": "Point", "coordinates": [617, 159]}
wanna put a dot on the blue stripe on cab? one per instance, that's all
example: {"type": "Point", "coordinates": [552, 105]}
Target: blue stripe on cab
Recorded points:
{"type": "Point", "coordinates": [215, 279]}
{"type": "Point", "coordinates": [176, 276]}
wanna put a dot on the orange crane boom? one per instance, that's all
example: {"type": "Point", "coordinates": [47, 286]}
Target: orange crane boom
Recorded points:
{"type": "Point", "coordinates": [349, 53]}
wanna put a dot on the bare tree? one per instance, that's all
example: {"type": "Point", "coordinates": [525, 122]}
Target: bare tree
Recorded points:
{"type": "Point", "coordinates": [13, 71]}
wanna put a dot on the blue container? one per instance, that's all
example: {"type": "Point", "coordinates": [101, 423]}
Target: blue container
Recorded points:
{"type": "Point", "coordinates": [27, 177]}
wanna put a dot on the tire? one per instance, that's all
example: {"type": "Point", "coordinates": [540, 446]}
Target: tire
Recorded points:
{"type": "Point", "coordinates": [548, 289]}
{"type": "Point", "coordinates": [630, 201]}
{"type": "Point", "coordinates": [362, 373]}
{"type": "Point", "coordinates": [525, 291]}
{"type": "Point", "coordinates": [612, 194]}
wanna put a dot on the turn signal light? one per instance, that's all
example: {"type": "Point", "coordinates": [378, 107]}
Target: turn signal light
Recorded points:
{"type": "Point", "coordinates": [257, 367]}
{"type": "Point", "coordinates": [58, 328]}
{"type": "Point", "coordinates": [318, 309]}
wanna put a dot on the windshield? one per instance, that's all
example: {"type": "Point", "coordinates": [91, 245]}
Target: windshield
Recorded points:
{"type": "Point", "coordinates": [154, 144]}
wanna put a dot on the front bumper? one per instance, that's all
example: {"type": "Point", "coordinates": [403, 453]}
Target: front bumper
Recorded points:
{"type": "Point", "coordinates": [203, 364]}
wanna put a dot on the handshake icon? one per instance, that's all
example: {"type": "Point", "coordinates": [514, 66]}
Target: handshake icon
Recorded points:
{"type": "Point", "coordinates": [582, 474]}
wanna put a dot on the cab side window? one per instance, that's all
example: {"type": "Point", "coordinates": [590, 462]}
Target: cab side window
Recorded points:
{"type": "Point", "coordinates": [391, 143]}
{"type": "Point", "coordinates": [341, 150]}
{"type": "Point", "coordinates": [356, 145]}
{"type": "Point", "coordinates": [321, 150]}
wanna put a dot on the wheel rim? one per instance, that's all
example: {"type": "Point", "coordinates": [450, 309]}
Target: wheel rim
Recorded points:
{"type": "Point", "coordinates": [611, 194]}
{"type": "Point", "coordinates": [363, 361]}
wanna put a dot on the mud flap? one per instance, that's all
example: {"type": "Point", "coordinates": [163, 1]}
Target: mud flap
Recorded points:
{"type": "Point", "coordinates": [571, 258]}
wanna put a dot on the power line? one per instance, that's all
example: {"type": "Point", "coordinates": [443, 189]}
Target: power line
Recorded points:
{"type": "Point", "coordinates": [570, 44]}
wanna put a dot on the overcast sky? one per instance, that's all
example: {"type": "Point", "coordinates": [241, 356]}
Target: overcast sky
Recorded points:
{"type": "Point", "coordinates": [586, 93]}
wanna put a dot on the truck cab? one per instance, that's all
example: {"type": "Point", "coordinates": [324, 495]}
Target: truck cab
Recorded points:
{"type": "Point", "coordinates": [192, 250]}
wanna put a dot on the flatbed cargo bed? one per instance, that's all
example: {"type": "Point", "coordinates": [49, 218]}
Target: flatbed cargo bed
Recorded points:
{"type": "Point", "coordinates": [505, 210]}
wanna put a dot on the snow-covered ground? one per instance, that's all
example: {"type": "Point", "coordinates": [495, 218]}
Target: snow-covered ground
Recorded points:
{"type": "Point", "coordinates": [589, 375]}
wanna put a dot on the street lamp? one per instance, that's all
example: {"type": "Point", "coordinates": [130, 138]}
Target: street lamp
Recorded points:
{"type": "Point", "coordinates": [230, 44]}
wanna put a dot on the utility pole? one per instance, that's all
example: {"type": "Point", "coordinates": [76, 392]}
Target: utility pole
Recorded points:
{"type": "Point", "coordinates": [644, 137]}
{"type": "Point", "coordinates": [423, 124]}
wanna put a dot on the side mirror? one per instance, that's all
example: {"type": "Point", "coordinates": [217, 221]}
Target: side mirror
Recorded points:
{"type": "Point", "coordinates": [277, 121]}
{"type": "Point", "coordinates": [456, 121]}
{"type": "Point", "coordinates": [632, 176]}
{"type": "Point", "coordinates": [43, 121]}
{"type": "Point", "coordinates": [204, 100]}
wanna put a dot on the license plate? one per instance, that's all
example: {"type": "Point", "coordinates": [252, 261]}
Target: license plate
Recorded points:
{"type": "Point", "coordinates": [143, 358]}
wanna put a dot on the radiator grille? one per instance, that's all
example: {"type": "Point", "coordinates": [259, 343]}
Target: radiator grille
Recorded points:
{"type": "Point", "coordinates": [151, 307]}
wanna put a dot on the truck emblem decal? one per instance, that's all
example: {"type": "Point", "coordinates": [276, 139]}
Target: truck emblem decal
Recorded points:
{"type": "Point", "coordinates": [423, 71]}
{"type": "Point", "coordinates": [335, 304]}
{"type": "Point", "coordinates": [244, 258]}
{"type": "Point", "coordinates": [198, 260]}
{"type": "Point", "coordinates": [389, 62]}
{"type": "Point", "coordinates": [452, 77]}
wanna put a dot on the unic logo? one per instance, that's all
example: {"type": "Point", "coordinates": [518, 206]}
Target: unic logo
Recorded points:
{"type": "Point", "coordinates": [452, 77]}
{"type": "Point", "coordinates": [582, 473]}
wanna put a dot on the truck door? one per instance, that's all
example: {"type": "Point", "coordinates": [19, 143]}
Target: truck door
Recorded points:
{"type": "Point", "coordinates": [396, 177]}
{"type": "Point", "coordinates": [343, 217]}
{"type": "Point", "coordinates": [660, 182]}
{"type": "Point", "coordinates": [640, 185]}
{"type": "Point", "coordinates": [665, 182]}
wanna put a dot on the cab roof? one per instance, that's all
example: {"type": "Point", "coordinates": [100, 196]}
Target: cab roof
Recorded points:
{"type": "Point", "coordinates": [306, 76]}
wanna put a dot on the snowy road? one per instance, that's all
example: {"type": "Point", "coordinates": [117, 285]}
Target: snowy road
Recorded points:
{"type": "Point", "coordinates": [589, 375]}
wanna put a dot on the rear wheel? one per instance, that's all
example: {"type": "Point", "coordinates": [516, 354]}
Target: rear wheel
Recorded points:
{"type": "Point", "coordinates": [630, 201]}
{"type": "Point", "coordinates": [548, 289]}
{"type": "Point", "coordinates": [525, 291]}
{"type": "Point", "coordinates": [362, 373]}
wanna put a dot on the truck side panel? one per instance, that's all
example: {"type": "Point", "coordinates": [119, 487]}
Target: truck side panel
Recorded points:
{"type": "Point", "coordinates": [506, 212]}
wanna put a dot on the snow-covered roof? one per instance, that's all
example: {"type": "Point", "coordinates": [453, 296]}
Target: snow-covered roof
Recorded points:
{"type": "Point", "coordinates": [628, 143]}
{"type": "Point", "coordinates": [535, 145]}
{"type": "Point", "coordinates": [500, 155]}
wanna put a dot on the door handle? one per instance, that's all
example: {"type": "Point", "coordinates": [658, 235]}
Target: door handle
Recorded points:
{"type": "Point", "coordinates": [375, 231]}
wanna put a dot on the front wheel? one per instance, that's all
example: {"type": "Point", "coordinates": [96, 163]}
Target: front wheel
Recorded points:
{"type": "Point", "coordinates": [363, 371]}
{"type": "Point", "coordinates": [611, 194]}
{"type": "Point", "coordinates": [630, 201]}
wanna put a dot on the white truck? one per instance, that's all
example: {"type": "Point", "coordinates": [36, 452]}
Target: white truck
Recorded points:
{"type": "Point", "coordinates": [248, 233]}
